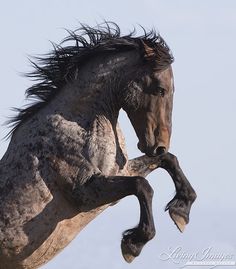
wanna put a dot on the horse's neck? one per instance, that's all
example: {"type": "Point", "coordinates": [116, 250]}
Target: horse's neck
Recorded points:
{"type": "Point", "coordinates": [94, 94]}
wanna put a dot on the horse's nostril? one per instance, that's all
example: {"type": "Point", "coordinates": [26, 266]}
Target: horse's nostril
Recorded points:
{"type": "Point", "coordinates": [160, 150]}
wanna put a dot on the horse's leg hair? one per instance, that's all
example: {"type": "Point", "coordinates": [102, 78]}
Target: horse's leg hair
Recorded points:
{"type": "Point", "coordinates": [100, 190]}
{"type": "Point", "coordinates": [179, 207]}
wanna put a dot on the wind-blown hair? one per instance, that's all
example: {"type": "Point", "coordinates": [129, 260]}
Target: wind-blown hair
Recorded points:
{"type": "Point", "coordinates": [53, 70]}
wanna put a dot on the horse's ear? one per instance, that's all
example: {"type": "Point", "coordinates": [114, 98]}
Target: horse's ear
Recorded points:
{"type": "Point", "coordinates": [148, 52]}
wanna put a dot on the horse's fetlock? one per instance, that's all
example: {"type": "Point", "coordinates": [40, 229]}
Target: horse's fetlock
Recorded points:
{"type": "Point", "coordinates": [193, 196]}
{"type": "Point", "coordinates": [148, 233]}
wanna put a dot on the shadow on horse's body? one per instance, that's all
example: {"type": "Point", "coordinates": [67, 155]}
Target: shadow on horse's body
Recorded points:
{"type": "Point", "coordinates": [67, 162]}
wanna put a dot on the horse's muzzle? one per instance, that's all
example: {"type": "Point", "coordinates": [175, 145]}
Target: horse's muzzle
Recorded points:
{"type": "Point", "coordinates": [160, 151]}
{"type": "Point", "coordinates": [152, 152]}
{"type": "Point", "coordinates": [156, 152]}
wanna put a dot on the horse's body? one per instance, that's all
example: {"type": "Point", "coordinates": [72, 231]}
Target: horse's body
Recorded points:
{"type": "Point", "coordinates": [67, 162]}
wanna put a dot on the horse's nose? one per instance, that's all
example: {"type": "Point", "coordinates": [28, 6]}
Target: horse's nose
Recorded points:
{"type": "Point", "coordinates": [160, 150]}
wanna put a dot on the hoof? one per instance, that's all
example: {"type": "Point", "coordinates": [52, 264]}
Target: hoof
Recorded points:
{"type": "Point", "coordinates": [179, 221]}
{"type": "Point", "coordinates": [132, 244]}
{"type": "Point", "coordinates": [179, 212]}
{"type": "Point", "coordinates": [126, 253]}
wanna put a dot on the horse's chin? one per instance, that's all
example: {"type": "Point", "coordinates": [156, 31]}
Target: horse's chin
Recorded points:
{"type": "Point", "coordinates": [150, 154]}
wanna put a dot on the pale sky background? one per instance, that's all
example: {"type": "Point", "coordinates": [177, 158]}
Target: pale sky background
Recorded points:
{"type": "Point", "coordinates": [202, 36]}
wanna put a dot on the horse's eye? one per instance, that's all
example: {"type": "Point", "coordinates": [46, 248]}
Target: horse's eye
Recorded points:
{"type": "Point", "coordinates": [161, 91]}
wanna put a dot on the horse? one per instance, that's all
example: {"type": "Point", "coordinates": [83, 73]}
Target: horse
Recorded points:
{"type": "Point", "coordinates": [67, 162]}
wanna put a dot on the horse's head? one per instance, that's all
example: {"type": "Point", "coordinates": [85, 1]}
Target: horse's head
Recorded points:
{"type": "Point", "coordinates": [148, 103]}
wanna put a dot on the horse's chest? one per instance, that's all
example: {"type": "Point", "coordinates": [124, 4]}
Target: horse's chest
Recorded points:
{"type": "Point", "coordinates": [106, 152]}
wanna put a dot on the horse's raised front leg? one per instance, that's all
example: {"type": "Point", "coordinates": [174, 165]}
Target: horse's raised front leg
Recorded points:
{"type": "Point", "coordinates": [100, 190]}
{"type": "Point", "coordinates": [179, 207]}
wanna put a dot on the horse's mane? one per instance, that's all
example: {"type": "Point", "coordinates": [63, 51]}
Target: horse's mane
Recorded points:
{"type": "Point", "coordinates": [55, 69]}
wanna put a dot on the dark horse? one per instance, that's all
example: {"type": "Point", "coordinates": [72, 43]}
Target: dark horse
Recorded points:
{"type": "Point", "coordinates": [67, 162]}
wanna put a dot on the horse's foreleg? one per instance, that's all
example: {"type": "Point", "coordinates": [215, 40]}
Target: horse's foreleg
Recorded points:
{"type": "Point", "coordinates": [179, 207]}
{"type": "Point", "coordinates": [100, 190]}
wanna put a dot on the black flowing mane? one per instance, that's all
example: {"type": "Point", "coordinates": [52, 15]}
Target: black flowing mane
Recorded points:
{"type": "Point", "coordinates": [55, 69]}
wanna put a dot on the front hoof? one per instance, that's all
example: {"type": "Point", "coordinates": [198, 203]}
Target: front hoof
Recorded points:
{"type": "Point", "coordinates": [179, 221]}
{"type": "Point", "coordinates": [131, 244]}
{"type": "Point", "coordinates": [179, 213]}
{"type": "Point", "coordinates": [126, 252]}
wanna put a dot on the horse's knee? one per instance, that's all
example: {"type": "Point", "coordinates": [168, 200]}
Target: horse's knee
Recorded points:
{"type": "Point", "coordinates": [143, 186]}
